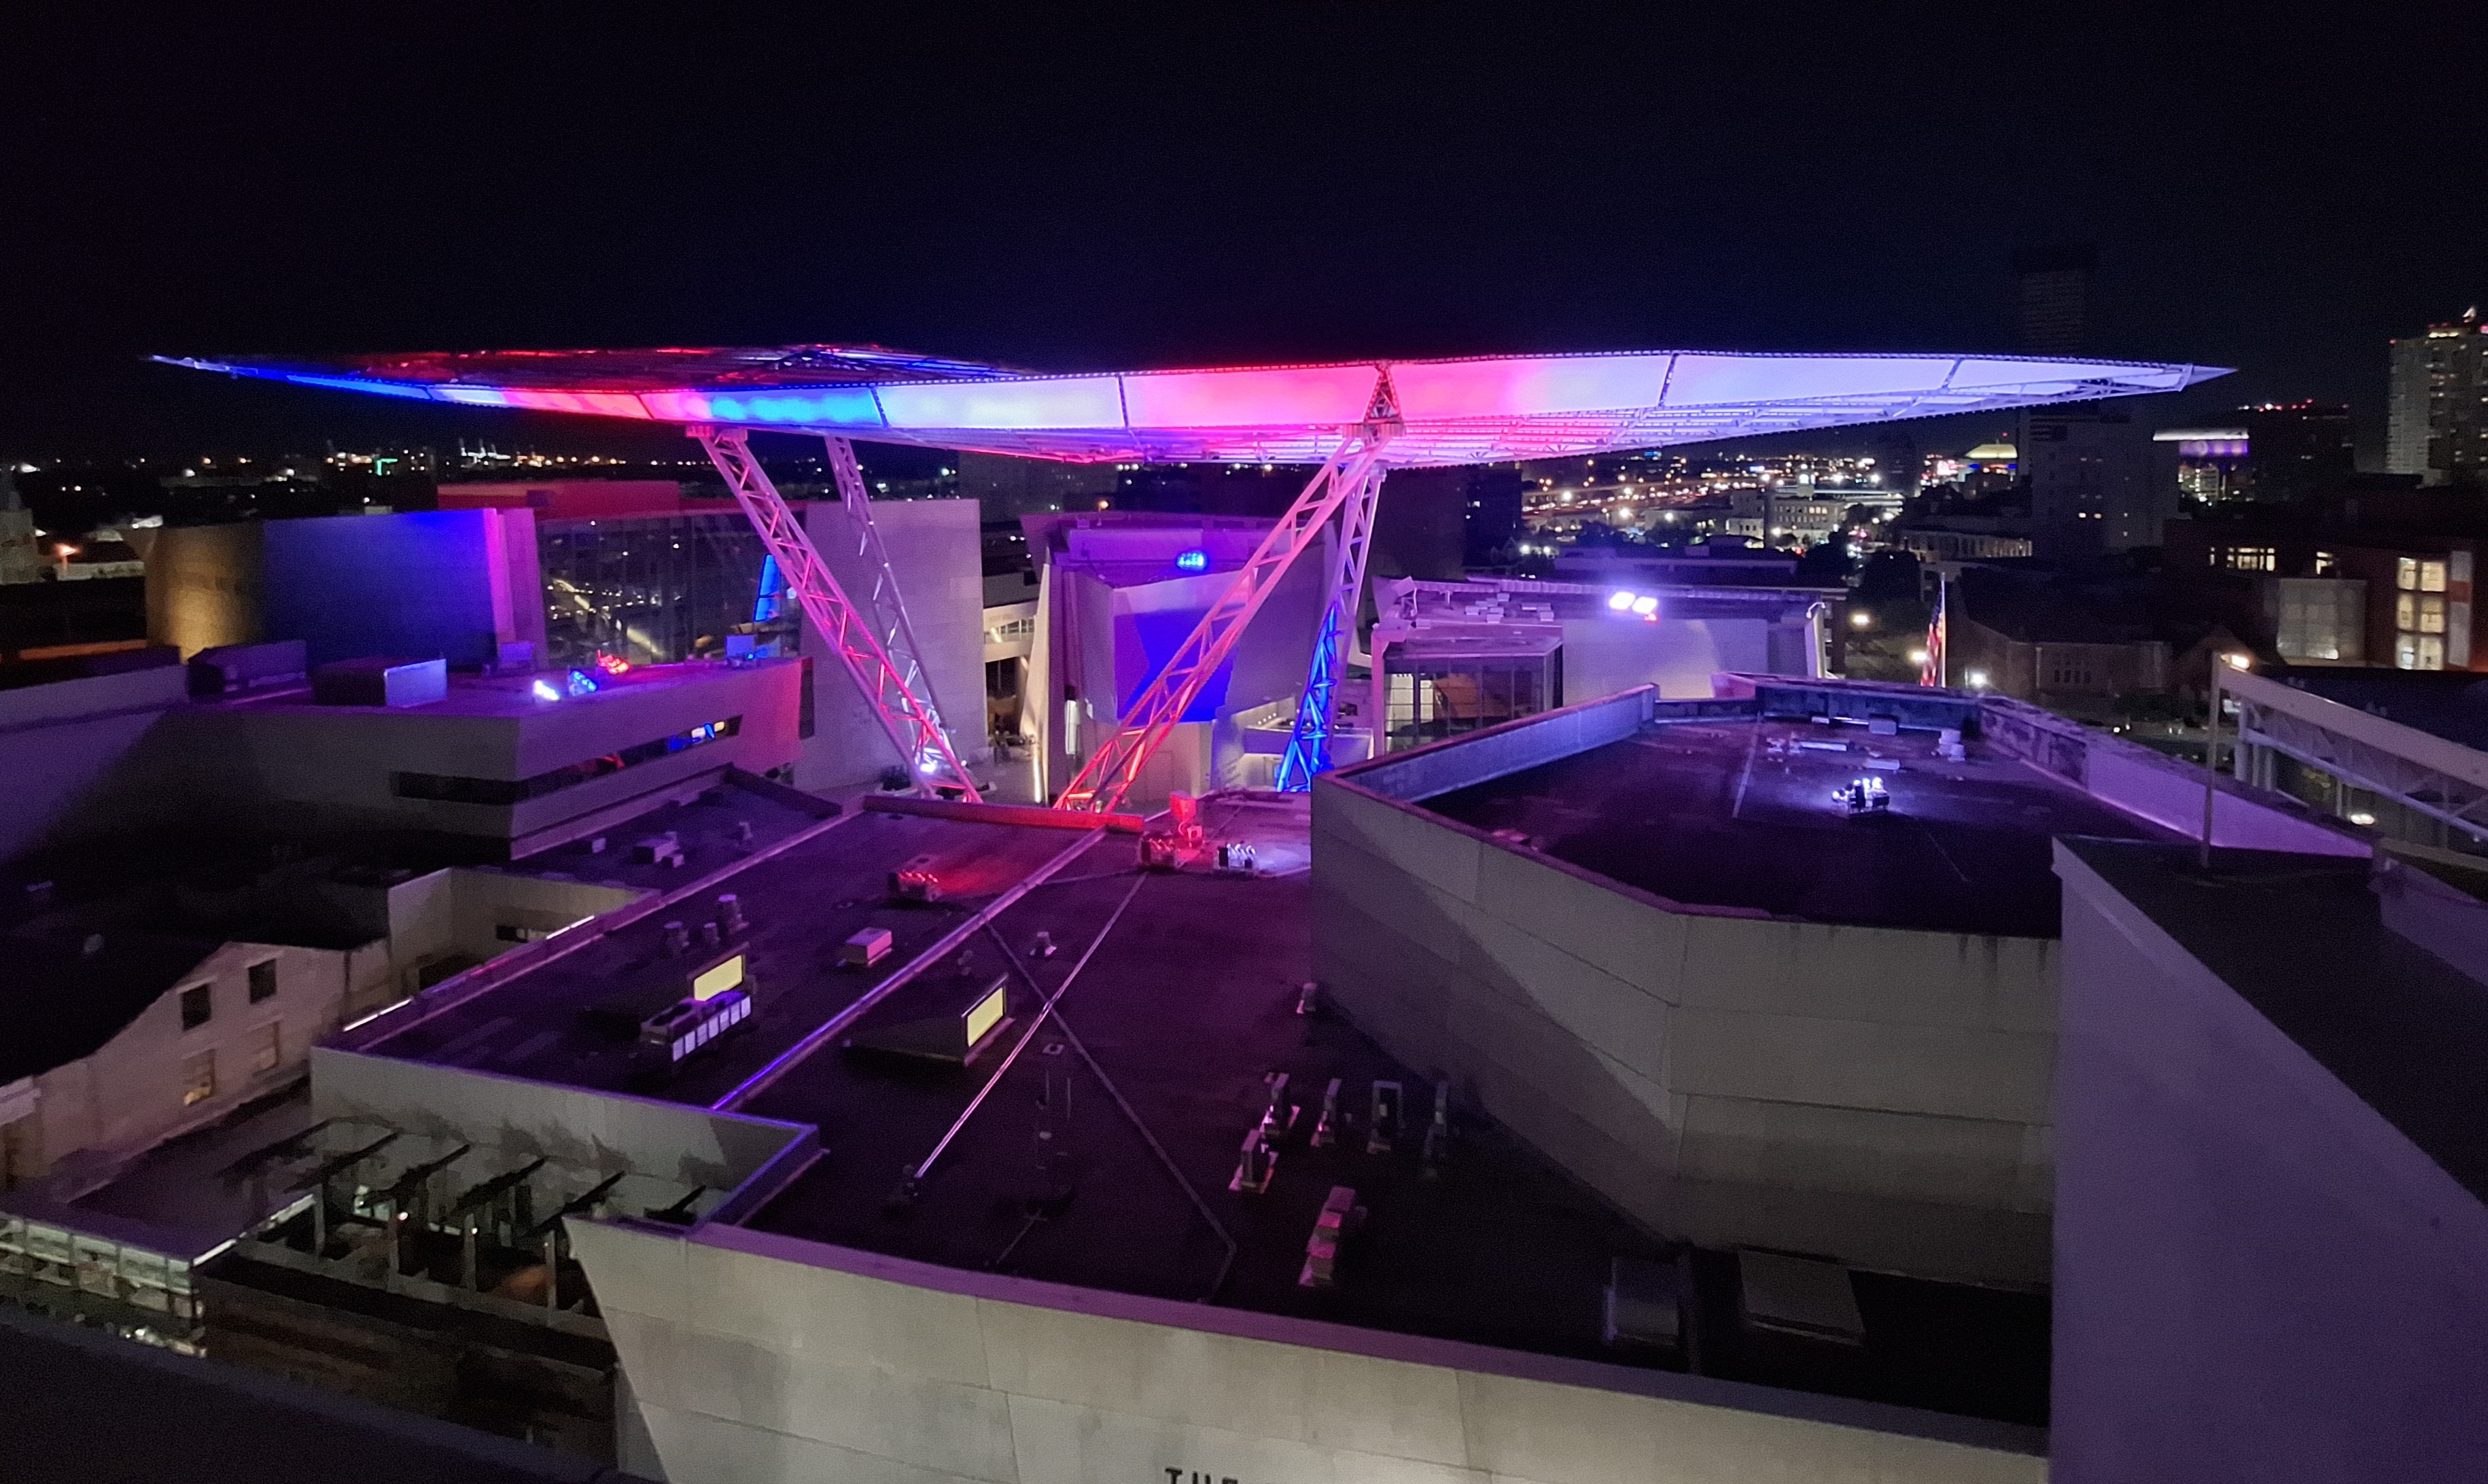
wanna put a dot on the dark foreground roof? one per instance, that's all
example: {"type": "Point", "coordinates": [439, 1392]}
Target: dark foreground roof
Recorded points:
{"type": "Point", "coordinates": [84, 1408]}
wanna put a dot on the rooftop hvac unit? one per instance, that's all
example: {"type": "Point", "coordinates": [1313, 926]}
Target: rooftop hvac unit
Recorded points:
{"type": "Point", "coordinates": [956, 1037]}
{"type": "Point", "coordinates": [1646, 1304]}
{"type": "Point", "coordinates": [380, 681]}
{"type": "Point", "coordinates": [1801, 1296]}
{"type": "Point", "coordinates": [866, 948]}
{"type": "Point", "coordinates": [917, 880]}
{"type": "Point", "coordinates": [664, 850]}
{"type": "Point", "coordinates": [1340, 1219]}
{"type": "Point", "coordinates": [671, 981]}
{"type": "Point", "coordinates": [687, 1026]}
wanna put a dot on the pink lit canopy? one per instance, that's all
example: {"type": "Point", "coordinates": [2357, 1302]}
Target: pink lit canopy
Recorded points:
{"type": "Point", "coordinates": [1478, 409]}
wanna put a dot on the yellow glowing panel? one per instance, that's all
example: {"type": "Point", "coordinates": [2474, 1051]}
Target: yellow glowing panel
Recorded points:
{"type": "Point", "coordinates": [716, 981]}
{"type": "Point", "coordinates": [985, 1013]}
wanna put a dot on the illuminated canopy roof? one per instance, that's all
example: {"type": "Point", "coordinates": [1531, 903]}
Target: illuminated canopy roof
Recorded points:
{"type": "Point", "coordinates": [1476, 411]}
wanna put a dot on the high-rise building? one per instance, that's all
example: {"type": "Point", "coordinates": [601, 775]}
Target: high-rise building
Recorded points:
{"type": "Point", "coordinates": [2437, 419]}
{"type": "Point", "coordinates": [2088, 464]}
{"type": "Point", "coordinates": [2054, 300]}
{"type": "Point", "coordinates": [2297, 448]}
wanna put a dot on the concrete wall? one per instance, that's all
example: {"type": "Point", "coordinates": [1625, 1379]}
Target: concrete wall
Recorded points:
{"type": "Point", "coordinates": [453, 583]}
{"type": "Point", "coordinates": [2257, 1276]}
{"type": "Point", "coordinates": [758, 1359]}
{"type": "Point", "coordinates": [204, 585]}
{"type": "Point", "coordinates": [1602, 656]}
{"type": "Point", "coordinates": [68, 751]}
{"type": "Point", "coordinates": [1873, 1095]}
{"type": "Point", "coordinates": [935, 553]}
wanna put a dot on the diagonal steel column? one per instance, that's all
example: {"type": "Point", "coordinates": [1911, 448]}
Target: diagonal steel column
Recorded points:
{"type": "Point", "coordinates": [904, 713]}
{"type": "Point", "coordinates": [1317, 709]}
{"type": "Point", "coordinates": [888, 609]}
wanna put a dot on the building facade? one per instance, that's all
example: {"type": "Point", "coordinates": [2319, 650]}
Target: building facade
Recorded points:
{"type": "Point", "coordinates": [2437, 419]}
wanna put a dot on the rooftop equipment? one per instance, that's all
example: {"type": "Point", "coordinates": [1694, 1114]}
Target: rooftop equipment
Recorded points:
{"type": "Point", "coordinates": [956, 1037]}
{"type": "Point", "coordinates": [689, 1025]}
{"type": "Point", "coordinates": [1801, 1296]}
{"type": "Point", "coordinates": [376, 681]}
{"type": "Point", "coordinates": [864, 948]}
{"type": "Point", "coordinates": [917, 880]}
{"type": "Point", "coordinates": [1864, 794]}
{"type": "Point", "coordinates": [1645, 1304]}
{"type": "Point", "coordinates": [1340, 1219]}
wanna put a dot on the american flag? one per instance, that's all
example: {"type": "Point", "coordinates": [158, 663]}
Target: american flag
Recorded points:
{"type": "Point", "coordinates": [1932, 673]}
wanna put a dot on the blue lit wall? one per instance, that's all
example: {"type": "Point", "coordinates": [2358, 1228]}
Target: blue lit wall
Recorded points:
{"type": "Point", "coordinates": [418, 584]}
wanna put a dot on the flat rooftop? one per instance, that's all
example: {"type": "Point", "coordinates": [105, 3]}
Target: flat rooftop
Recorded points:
{"type": "Point", "coordinates": [2304, 941]}
{"type": "Point", "coordinates": [802, 902]}
{"type": "Point", "coordinates": [1181, 1002]}
{"type": "Point", "coordinates": [494, 695]}
{"type": "Point", "coordinates": [1738, 812]}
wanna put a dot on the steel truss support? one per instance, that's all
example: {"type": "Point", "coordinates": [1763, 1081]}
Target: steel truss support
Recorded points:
{"type": "Point", "coordinates": [888, 609]}
{"type": "Point", "coordinates": [1100, 785]}
{"type": "Point", "coordinates": [1308, 752]}
{"type": "Point", "coordinates": [904, 709]}
{"type": "Point", "coordinates": [2454, 801]}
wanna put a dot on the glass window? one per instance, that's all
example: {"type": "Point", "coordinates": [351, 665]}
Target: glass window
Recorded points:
{"type": "Point", "coordinates": [266, 1046]}
{"type": "Point", "coordinates": [2431, 651]}
{"type": "Point", "coordinates": [198, 1005]}
{"type": "Point", "coordinates": [2324, 564]}
{"type": "Point", "coordinates": [2431, 615]}
{"type": "Point", "coordinates": [2406, 652]}
{"type": "Point", "coordinates": [262, 980]}
{"type": "Point", "coordinates": [2405, 611]}
{"type": "Point", "coordinates": [2431, 577]}
{"type": "Point", "coordinates": [2406, 575]}
{"type": "Point", "coordinates": [198, 1078]}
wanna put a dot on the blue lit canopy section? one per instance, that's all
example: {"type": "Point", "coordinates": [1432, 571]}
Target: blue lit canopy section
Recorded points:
{"type": "Point", "coordinates": [1481, 409]}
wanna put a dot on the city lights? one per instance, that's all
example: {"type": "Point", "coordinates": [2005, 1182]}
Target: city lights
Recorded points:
{"type": "Point", "coordinates": [543, 690]}
{"type": "Point", "coordinates": [1976, 680]}
{"type": "Point", "coordinates": [1619, 601]}
{"type": "Point", "coordinates": [1195, 560]}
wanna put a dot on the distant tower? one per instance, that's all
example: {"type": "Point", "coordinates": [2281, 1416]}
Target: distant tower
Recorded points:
{"type": "Point", "coordinates": [2436, 422]}
{"type": "Point", "coordinates": [2056, 297]}
{"type": "Point", "coordinates": [2088, 463]}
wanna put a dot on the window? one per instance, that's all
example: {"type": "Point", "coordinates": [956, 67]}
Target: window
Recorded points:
{"type": "Point", "coordinates": [2431, 577]}
{"type": "Point", "coordinates": [2252, 559]}
{"type": "Point", "coordinates": [17, 1152]}
{"type": "Point", "coordinates": [2325, 564]}
{"type": "Point", "coordinates": [2406, 575]}
{"type": "Point", "coordinates": [262, 980]}
{"type": "Point", "coordinates": [198, 1078]}
{"type": "Point", "coordinates": [266, 1047]}
{"type": "Point", "coordinates": [198, 1004]}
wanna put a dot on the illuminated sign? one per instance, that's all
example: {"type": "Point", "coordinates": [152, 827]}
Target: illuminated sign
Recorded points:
{"type": "Point", "coordinates": [715, 981]}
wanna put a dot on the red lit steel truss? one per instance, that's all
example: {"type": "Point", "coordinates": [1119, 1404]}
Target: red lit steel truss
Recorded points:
{"type": "Point", "coordinates": [904, 709]}
{"type": "Point", "coordinates": [1353, 469]}
{"type": "Point", "coordinates": [1478, 409]}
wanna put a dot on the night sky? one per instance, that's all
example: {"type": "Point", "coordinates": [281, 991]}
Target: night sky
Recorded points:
{"type": "Point", "coordinates": [2276, 189]}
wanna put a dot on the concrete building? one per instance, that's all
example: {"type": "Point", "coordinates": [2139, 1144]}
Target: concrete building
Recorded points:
{"type": "Point", "coordinates": [1644, 935]}
{"type": "Point", "coordinates": [935, 556]}
{"type": "Point", "coordinates": [1448, 658]}
{"type": "Point", "coordinates": [2297, 1035]}
{"type": "Point", "coordinates": [2415, 570]}
{"type": "Point", "coordinates": [1119, 592]}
